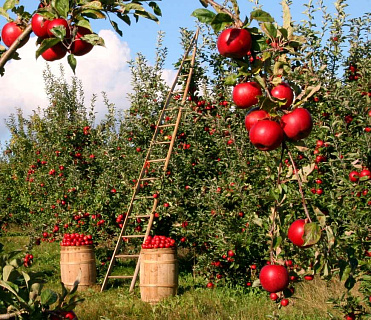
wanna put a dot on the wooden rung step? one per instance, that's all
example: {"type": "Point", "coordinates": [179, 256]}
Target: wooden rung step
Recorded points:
{"type": "Point", "coordinates": [140, 216]}
{"type": "Point", "coordinates": [166, 125]}
{"type": "Point", "coordinates": [149, 179]}
{"type": "Point", "coordinates": [171, 109]}
{"type": "Point", "coordinates": [120, 277]}
{"type": "Point", "coordinates": [146, 197]}
{"type": "Point", "coordinates": [162, 142]}
{"type": "Point", "coordinates": [156, 160]}
{"type": "Point", "coordinates": [135, 236]}
{"type": "Point", "coordinates": [127, 256]}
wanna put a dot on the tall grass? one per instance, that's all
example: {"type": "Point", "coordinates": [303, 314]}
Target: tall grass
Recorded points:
{"type": "Point", "coordinates": [193, 302]}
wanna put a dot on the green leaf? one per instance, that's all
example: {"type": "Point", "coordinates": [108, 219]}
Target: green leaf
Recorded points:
{"type": "Point", "coordinates": [231, 79]}
{"type": "Point", "coordinates": [59, 32]}
{"type": "Point", "coordinates": [116, 27]}
{"type": "Point", "coordinates": [277, 241]}
{"type": "Point", "coordinates": [93, 39]}
{"type": "Point", "coordinates": [156, 9]}
{"type": "Point", "coordinates": [26, 277]}
{"type": "Point", "coordinates": [92, 13]}
{"type": "Point", "coordinates": [203, 15]}
{"type": "Point", "coordinates": [97, 5]}
{"type": "Point", "coordinates": [312, 233]}
{"type": "Point", "coordinates": [145, 14]}
{"type": "Point", "coordinates": [62, 7]}
{"type": "Point", "coordinates": [48, 297]}
{"type": "Point", "coordinates": [287, 18]}
{"type": "Point", "coordinates": [124, 18]}
{"type": "Point", "coordinates": [72, 62]}
{"type": "Point", "coordinates": [84, 23]}
{"type": "Point", "coordinates": [220, 21]}
{"type": "Point", "coordinates": [46, 44]}
{"type": "Point", "coordinates": [269, 29]}
{"type": "Point", "coordinates": [260, 15]}
{"type": "Point", "coordinates": [7, 270]}
{"type": "Point", "coordinates": [4, 13]}
{"type": "Point", "coordinates": [9, 4]}
{"type": "Point", "coordinates": [320, 217]}
{"type": "Point", "coordinates": [350, 282]}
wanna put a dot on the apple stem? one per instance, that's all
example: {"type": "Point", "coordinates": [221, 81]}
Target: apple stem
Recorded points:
{"type": "Point", "coordinates": [299, 182]}
{"type": "Point", "coordinates": [218, 7]}
{"type": "Point", "coordinates": [13, 48]}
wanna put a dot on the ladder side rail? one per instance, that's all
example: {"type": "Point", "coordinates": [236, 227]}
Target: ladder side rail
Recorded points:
{"type": "Point", "coordinates": [184, 99]}
{"type": "Point", "coordinates": [149, 227]}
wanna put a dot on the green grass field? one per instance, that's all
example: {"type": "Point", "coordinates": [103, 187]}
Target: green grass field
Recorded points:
{"type": "Point", "coordinates": [194, 301]}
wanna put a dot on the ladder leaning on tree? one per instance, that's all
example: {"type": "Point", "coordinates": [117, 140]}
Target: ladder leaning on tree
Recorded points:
{"type": "Point", "coordinates": [155, 155]}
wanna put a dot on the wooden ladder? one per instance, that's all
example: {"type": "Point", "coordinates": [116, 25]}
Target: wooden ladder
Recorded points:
{"type": "Point", "coordinates": [153, 158]}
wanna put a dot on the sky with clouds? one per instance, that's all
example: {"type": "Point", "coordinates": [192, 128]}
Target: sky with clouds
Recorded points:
{"type": "Point", "coordinates": [106, 69]}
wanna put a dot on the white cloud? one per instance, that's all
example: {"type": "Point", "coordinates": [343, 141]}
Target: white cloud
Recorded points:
{"type": "Point", "coordinates": [103, 69]}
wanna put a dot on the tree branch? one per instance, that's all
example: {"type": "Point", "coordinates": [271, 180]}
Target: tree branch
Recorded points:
{"type": "Point", "coordinates": [220, 8]}
{"type": "Point", "coordinates": [13, 48]}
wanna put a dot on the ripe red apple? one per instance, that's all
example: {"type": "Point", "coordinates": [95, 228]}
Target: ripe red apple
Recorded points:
{"type": "Point", "coordinates": [296, 232]}
{"type": "Point", "coordinates": [274, 278]}
{"type": "Point", "coordinates": [10, 32]}
{"type": "Point", "coordinates": [273, 296]}
{"type": "Point", "coordinates": [253, 117]}
{"type": "Point", "coordinates": [365, 173]}
{"type": "Point", "coordinates": [353, 176]}
{"type": "Point", "coordinates": [234, 43]}
{"type": "Point", "coordinates": [39, 25]}
{"type": "Point", "coordinates": [309, 277]}
{"type": "Point", "coordinates": [284, 302]}
{"type": "Point", "coordinates": [283, 91]}
{"type": "Point", "coordinates": [56, 52]}
{"type": "Point", "coordinates": [57, 23]}
{"type": "Point", "coordinates": [266, 135]}
{"type": "Point", "coordinates": [297, 124]}
{"type": "Point", "coordinates": [80, 47]}
{"type": "Point", "coordinates": [245, 94]}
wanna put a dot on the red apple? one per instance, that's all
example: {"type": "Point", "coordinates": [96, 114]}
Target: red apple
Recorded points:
{"type": "Point", "coordinates": [365, 173]}
{"type": "Point", "coordinates": [39, 25]}
{"type": "Point", "coordinates": [57, 23]}
{"type": "Point", "coordinates": [297, 124]}
{"type": "Point", "coordinates": [80, 47]}
{"type": "Point", "coordinates": [56, 52]}
{"type": "Point", "coordinates": [353, 176]}
{"type": "Point", "coordinates": [283, 91]}
{"type": "Point", "coordinates": [274, 278]}
{"type": "Point", "coordinates": [234, 43]}
{"type": "Point", "coordinates": [266, 135]}
{"type": "Point", "coordinates": [296, 232]}
{"type": "Point", "coordinates": [245, 94]}
{"type": "Point", "coordinates": [253, 117]}
{"type": "Point", "coordinates": [10, 32]}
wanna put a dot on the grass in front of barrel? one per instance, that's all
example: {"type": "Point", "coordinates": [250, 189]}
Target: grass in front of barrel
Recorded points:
{"type": "Point", "coordinates": [194, 301]}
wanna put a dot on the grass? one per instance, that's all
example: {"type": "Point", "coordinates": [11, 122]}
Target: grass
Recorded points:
{"type": "Point", "coordinates": [193, 302]}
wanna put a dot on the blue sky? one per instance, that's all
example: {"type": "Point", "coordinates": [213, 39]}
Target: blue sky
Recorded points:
{"type": "Point", "coordinates": [23, 87]}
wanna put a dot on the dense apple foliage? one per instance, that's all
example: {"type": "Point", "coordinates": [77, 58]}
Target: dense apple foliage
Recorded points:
{"type": "Point", "coordinates": [223, 200]}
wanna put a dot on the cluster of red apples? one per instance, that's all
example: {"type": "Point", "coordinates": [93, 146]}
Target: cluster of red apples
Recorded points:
{"type": "Point", "coordinates": [265, 133]}
{"type": "Point", "coordinates": [76, 239]}
{"type": "Point", "coordinates": [43, 28]}
{"type": "Point", "coordinates": [156, 242]}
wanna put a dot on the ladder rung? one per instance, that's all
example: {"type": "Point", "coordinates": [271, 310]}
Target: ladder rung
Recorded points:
{"type": "Point", "coordinates": [120, 277]}
{"type": "Point", "coordinates": [140, 216]}
{"type": "Point", "coordinates": [148, 179]}
{"type": "Point", "coordinates": [166, 125]}
{"type": "Point", "coordinates": [127, 256]}
{"type": "Point", "coordinates": [162, 142]}
{"type": "Point", "coordinates": [135, 236]}
{"type": "Point", "coordinates": [157, 160]}
{"type": "Point", "coordinates": [147, 197]}
{"type": "Point", "coordinates": [171, 109]}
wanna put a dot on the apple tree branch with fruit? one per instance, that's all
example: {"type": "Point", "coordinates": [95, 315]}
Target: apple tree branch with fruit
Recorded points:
{"type": "Point", "coordinates": [63, 27]}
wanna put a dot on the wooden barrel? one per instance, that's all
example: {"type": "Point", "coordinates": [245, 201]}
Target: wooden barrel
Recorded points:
{"type": "Point", "coordinates": [74, 259]}
{"type": "Point", "coordinates": [158, 274]}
